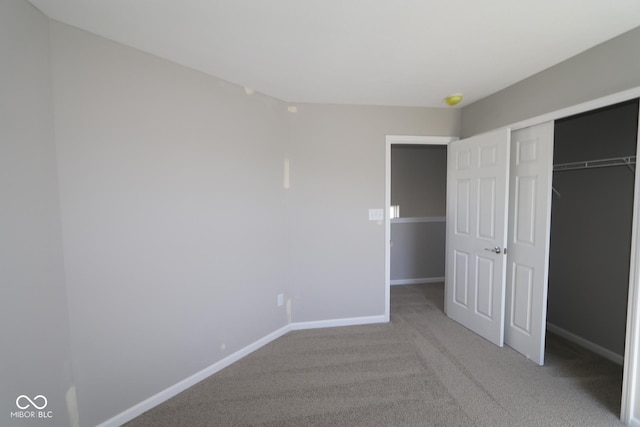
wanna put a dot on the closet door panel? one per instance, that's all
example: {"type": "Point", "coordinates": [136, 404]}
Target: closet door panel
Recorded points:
{"type": "Point", "coordinates": [528, 237]}
{"type": "Point", "coordinates": [477, 179]}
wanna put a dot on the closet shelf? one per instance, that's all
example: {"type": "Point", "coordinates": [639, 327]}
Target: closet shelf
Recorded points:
{"type": "Point", "coordinates": [600, 163]}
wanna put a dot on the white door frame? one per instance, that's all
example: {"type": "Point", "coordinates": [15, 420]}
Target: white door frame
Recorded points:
{"type": "Point", "coordinates": [390, 140]}
{"type": "Point", "coordinates": [631, 376]}
{"type": "Point", "coordinates": [631, 373]}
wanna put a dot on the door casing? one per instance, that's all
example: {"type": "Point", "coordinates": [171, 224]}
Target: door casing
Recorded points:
{"type": "Point", "coordinates": [391, 140]}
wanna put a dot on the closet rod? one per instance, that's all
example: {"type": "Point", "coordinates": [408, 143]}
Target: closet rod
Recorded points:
{"type": "Point", "coordinates": [600, 163]}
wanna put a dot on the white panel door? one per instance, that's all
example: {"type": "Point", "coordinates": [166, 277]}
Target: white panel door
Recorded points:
{"type": "Point", "coordinates": [529, 228]}
{"type": "Point", "coordinates": [477, 178]}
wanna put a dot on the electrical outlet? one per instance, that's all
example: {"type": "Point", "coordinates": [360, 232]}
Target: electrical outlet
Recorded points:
{"type": "Point", "coordinates": [280, 300]}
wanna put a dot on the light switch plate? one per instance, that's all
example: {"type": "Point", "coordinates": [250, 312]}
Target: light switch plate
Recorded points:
{"type": "Point", "coordinates": [376, 214]}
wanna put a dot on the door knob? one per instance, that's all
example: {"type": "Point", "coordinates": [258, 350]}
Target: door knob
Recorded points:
{"type": "Point", "coordinates": [496, 249]}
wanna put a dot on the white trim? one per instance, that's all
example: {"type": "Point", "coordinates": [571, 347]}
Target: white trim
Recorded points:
{"type": "Point", "coordinates": [333, 323]}
{"type": "Point", "coordinates": [420, 281]}
{"type": "Point", "coordinates": [598, 349]}
{"type": "Point", "coordinates": [419, 219]}
{"type": "Point", "coordinates": [398, 139]}
{"type": "Point", "coordinates": [179, 387]}
{"type": "Point", "coordinates": [633, 422]}
{"type": "Point", "coordinates": [632, 339]}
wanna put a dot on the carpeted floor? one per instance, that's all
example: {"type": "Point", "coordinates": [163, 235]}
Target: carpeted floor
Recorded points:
{"type": "Point", "coordinates": [422, 369]}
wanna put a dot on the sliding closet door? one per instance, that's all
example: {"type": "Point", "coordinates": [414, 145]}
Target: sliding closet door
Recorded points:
{"type": "Point", "coordinates": [528, 240]}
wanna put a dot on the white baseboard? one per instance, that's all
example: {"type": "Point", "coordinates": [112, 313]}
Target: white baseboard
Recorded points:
{"type": "Point", "coordinates": [416, 281]}
{"type": "Point", "coordinates": [181, 386]}
{"type": "Point", "coordinates": [606, 353]}
{"type": "Point", "coordinates": [634, 422]}
{"type": "Point", "coordinates": [351, 321]}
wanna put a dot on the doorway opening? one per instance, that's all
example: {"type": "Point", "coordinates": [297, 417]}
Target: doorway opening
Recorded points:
{"type": "Point", "coordinates": [418, 213]}
{"type": "Point", "coordinates": [431, 224]}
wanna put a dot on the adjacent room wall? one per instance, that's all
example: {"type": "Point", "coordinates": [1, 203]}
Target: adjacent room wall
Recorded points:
{"type": "Point", "coordinates": [418, 252]}
{"type": "Point", "coordinates": [174, 218]}
{"type": "Point", "coordinates": [610, 67]}
{"type": "Point", "coordinates": [35, 355]}
{"type": "Point", "coordinates": [337, 175]}
{"type": "Point", "coordinates": [419, 187]}
{"type": "Point", "coordinates": [419, 180]}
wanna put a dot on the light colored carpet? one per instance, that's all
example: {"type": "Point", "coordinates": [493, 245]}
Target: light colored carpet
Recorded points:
{"type": "Point", "coordinates": [422, 369]}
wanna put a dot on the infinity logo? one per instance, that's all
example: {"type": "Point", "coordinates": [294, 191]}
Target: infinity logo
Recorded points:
{"type": "Point", "coordinates": [22, 398]}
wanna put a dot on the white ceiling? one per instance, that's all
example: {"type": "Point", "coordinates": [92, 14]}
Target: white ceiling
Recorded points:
{"type": "Point", "coordinates": [376, 52]}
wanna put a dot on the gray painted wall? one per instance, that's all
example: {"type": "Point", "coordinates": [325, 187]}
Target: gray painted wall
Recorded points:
{"type": "Point", "coordinates": [338, 173]}
{"type": "Point", "coordinates": [419, 180]}
{"type": "Point", "coordinates": [419, 186]}
{"type": "Point", "coordinates": [591, 227]}
{"type": "Point", "coordinates": [174, 218]}
{"type": "Point", "coordinates": [611, 67]}
{"type": "Point", "coordinates": [35, 355]}
{"type": "Point", "coordinates": [178, 234]}
{"type": "Point", "coordinates": [418, 250]}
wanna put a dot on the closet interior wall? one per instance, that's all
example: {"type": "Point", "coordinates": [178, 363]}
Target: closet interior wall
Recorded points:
{"type": "Point", "coordinates": [591, 220]}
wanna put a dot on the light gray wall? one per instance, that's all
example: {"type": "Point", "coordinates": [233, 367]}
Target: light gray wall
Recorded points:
{"type": "Point", "coordinates": [608, 68]}
{"type": "Point", "coordinates": [338, 173]}
{"type": "Point", "coordinates": [35, 354]}
{"type": "Point", "coordinates": [173, 211]}
{"type": "Point", "coordinates": [175, 224]}
{"type": "Point", "coordinates": [419, 180]}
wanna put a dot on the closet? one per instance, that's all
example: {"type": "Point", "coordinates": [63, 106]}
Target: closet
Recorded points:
{"type": "Point", "coordinates": [591, 222]}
